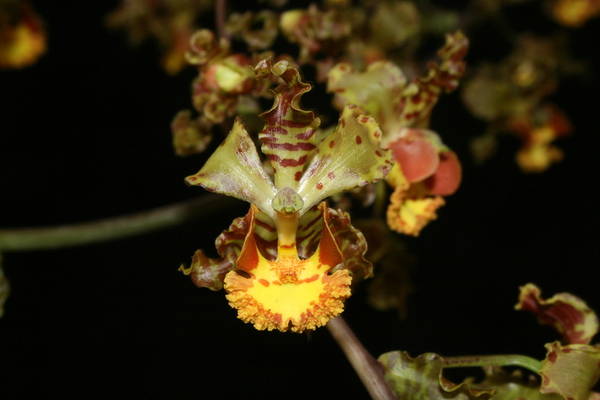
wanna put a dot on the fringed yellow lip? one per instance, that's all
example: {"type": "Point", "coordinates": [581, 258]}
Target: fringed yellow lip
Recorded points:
{"type": "Point", "coordinates": [288, 293]}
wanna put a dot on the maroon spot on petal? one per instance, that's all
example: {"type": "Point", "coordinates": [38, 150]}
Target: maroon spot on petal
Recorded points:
{"type": "Point", "coordinates": [331, 144]}
{"type": "Point", "coordinates": [364, 119]}
{"type": "Point", "coordinates": [552, 357]}
{"type": "Point", "coordinates": [331, 175]}
{"type": "Point", "coordinates": [343, 123]}
{"type": "Point", "coordinates": [297, 176]}
{"type": "Point", "coordinates": [378, 153]}
{"type": "Point", "coordinates": [319, 186]}
{"type": "Point", "coordinates": [358, 140]}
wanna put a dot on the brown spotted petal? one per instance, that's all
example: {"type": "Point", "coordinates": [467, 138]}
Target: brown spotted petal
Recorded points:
{"type": "Point", "coordinates": [349, 157]}
{"type": "Point", "coordinates": [235, 169]}
{"type": "Point", "coordinates": [288, 135]}
{"type": "Point", "coordinates": [568, 314]}
{"type": "Point", "coordinates": [210, 273]}
{"type": "Point", "coordinates": [421, 378]}
{"type": "Point", "coordinates": [570, 371]}
{"type": "Point", "coordinates": [422, 94]}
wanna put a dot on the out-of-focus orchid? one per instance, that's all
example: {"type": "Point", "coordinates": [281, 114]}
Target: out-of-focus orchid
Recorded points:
{"type": "Point", "coordinates": [290, 262]}
{"type": "Point", "coordinates": [425, 168]}
{"type": "Point", "coordinates": [22, 36]}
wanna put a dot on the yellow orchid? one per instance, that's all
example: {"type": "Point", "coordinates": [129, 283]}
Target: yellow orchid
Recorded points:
{"type": "Point", "coordinates": [289, 264]}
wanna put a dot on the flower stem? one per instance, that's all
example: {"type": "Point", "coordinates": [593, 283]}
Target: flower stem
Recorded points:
{"type": "Point", "coordinates": [368, 369]}
{"type": "Point", "coordinates": [494, 361]}
{"type": "Point", "coordinates": [221, 18]}
{"type": "Point", "coordinates": [40, 238]}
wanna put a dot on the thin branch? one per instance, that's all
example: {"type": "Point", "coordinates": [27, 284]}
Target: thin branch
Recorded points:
{"type": "Point", "coordinates": [367, 368]}
{"type": "Point", "coordinates": [221, 18]}
{"type": "Point", "coordinates": [40, 238]}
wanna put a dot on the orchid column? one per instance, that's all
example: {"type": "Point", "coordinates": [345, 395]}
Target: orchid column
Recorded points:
{"type": "Point", "coordinates": [290, 262]}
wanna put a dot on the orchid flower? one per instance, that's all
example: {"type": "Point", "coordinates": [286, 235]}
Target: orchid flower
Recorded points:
{"type": "Point", "coordinates": [290, 262]}
{"type": "Point", "coordinates": [425, 169]}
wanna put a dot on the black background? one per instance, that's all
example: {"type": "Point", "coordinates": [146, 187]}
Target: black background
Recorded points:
{"type": "Point", "coordinates": [84, 134]}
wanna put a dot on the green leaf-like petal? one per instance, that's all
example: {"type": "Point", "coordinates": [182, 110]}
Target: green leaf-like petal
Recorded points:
{"type": "Point", "coordinates": [235, 169]}
{"type": "Point", "coordinates": [421, 378]}
{"type": "Point", "coordinates": [571, 371]}
{"type": "Point", "coordinates": [288, 135]}
{"type": "Point", "coordinates": [349, 157]}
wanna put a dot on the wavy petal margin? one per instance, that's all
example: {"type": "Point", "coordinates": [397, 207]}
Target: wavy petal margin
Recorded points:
{"type": "Point", "coordinates": [349, 157]}
{"type": "Point", "coordinates": [409, 212]}
{"type": "Point", "coordinates": [421, 378]}
{"type": "Point", "coordinates": [235, 169]}
{"type": "Point", "coordinates": [570, 371]}
{"type": "Point", "coordinates": [288, 293]}
{"type": "Point", "coordinates": [288, 135]}
{"type": "Point", "coordinates": [210, 273]}
{"type": "Point", "coordinates": [568, 314]}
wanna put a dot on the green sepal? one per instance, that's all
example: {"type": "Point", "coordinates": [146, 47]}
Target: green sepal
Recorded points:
{"type": "Point", "coordinates": [235, 169]}
{"type": "Point", "coordinates": [349, 157]}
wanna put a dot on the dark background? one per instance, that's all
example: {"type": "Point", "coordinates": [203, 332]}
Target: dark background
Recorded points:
{"type": "Point", "coordinates": [84, 134]}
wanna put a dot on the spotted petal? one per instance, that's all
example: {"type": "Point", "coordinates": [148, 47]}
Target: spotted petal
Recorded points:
{"type": "Point", "coordinates": [288, 135]}
{"type": "Point", "coordinates": [235, 169]}
{"type": "Point", "coordinates": [349, 157]}
{"type": "Point", "coordinates": [568, 314]}
{"type": "Point", "coordinates": [570, 371]}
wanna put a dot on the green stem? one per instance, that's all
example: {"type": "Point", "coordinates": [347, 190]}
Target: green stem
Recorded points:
{"type": "Point", "coordinates": [494, 361]}
{"type": "Point", "coordinates": [368, 369]}
{"type": "Point", "coordinates": [40, 238]}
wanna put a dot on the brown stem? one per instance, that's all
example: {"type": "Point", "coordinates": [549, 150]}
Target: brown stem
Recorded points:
{"type": "Point", "coordinates": [368, 369]}
{"type": "Point", "coordinates": [221, 18]}
{"type": "Point", "coordinates": [40, 238]}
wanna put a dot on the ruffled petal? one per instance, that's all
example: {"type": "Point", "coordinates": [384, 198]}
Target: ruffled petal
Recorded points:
{"type": "Point", "coordinates": [570, 371]}
{"type": "Point", "coordinates": [288, 135]}
{"type": "Point", "coordinates": [288, 293]}
{"type": "Point", "coordinates": [409, 214]}
{"type": "Point", "coordinates": [210, 273]}
{"type": "Point", "coordinates": [568, 314]}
